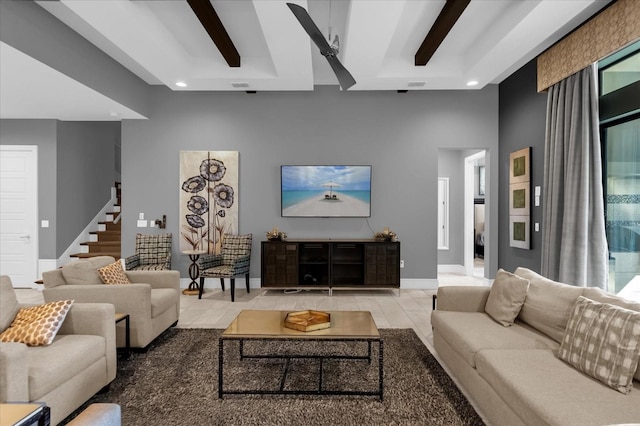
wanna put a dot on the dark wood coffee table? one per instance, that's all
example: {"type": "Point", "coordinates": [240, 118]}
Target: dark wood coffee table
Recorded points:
{"type": "Point", "coordinates": [346, 326]}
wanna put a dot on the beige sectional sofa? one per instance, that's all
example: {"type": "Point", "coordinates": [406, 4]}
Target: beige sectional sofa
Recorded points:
{"type": "Point", "coordinates": [152, 300]}
{"type": "Point", "coordinates": [79, 362]}
{"type": "Point", "coordinates": [513, 373]}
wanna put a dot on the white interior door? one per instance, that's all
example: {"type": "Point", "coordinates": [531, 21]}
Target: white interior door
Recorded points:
{"type": "Point", "coordinates": [19, 213]}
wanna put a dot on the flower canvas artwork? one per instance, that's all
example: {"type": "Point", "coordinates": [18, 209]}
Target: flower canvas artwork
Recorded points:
{"type": "Point", "coordinates": [208, 199]}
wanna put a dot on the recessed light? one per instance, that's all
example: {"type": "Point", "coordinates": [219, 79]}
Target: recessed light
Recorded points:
{"type": "Point", "coordinates": [113, 114]}
{"type": "Point", "coordinates": [181, 84]}
{"type": "Point", "coordinates": [417, 83]}
{"type": "Point", "coordinates": [240, 84]}
{"type": "Point", "coordinates": [472, 83]}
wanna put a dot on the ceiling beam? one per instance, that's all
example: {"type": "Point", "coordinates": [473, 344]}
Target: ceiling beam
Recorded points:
{"type": "Point", "coordinates": [211, 22]}
{"type": "Point", "coordinates": [447, 18]}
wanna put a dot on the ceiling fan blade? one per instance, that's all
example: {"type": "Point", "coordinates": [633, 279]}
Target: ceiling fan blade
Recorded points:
{"type": "Point", "coordinates": [345, 78]}
{"type": "Point", "coordinates": [310, 27]}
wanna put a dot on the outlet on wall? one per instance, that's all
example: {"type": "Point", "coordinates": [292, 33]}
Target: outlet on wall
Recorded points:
{"type": "Point", "coordinates": [402, 263]}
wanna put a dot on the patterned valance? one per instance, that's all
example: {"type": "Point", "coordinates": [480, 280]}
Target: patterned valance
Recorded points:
{"type": "Point", "coordinates": [612, 29]}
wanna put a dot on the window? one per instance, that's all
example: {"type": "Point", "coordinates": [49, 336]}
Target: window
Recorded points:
{"type": "Point", "coordinates": [619, 79]}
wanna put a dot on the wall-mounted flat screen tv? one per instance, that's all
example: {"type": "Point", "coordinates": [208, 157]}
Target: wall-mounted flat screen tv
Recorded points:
{"type": "Point", "coordinates": [325, 191]}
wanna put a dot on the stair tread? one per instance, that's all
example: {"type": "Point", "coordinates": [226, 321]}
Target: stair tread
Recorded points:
{"type": "Point", "coordinates": [101, 243]}
{"type": "Point", "coordinates": [86, 255]}
{"type": "Point", "coordinates": [107, 232]}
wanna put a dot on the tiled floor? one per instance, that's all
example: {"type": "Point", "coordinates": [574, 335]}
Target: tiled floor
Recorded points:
{"type": "Point", "coordinates": [411, 309]}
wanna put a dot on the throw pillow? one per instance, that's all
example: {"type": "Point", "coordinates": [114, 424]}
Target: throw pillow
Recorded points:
{"type": "Point", "coordinates": [37, 325]}
{"type": "Point", "coordinates": [113, 274]}
{"type": "Point", "coordinates": [603, 341]}
{"type": "Point", "coordinates": [506, 297]}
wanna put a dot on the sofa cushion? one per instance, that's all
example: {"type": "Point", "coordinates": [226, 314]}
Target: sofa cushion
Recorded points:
{"type": "Point", "coordinates": [85, 271]}
{"type": "Point", "coordinates": [542, 389]}
{"type": "Point", "coordinates": [604, 297]}
{"type": "Point", "coordinates": [8, 303]}
{"type": "Point", "coordinates": [470, 332]}
{"type": "Point", "coordinates": [37, 325]}
{"type": "Point", "coordinates": [162, 299]}
{"type": "Point", "coordinates": [67, 356]}
{"type": "Point", "coordinates": [548, 304]}
{"type": "Point", "coordinates": [603, 341]}
{"type": "Point", "coordinates": [506, 297]}
{"type": "Point", "coordinates": [113, 274]}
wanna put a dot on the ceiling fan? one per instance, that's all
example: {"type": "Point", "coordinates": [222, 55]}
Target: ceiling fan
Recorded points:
{"type": "Point", "coordinates": [345, 78]}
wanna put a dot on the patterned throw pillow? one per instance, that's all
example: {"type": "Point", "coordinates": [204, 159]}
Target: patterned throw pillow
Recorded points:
{"type": "Point", "coordinates": [37, 325]}
{"type": "Point", "coordinates": [603, 341]}
{"type": "Point", "coordinates": [113, 274]}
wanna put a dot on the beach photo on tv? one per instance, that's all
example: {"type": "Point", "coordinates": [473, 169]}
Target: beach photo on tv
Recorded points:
{"type": "Point", "coordinates": [326, 191]}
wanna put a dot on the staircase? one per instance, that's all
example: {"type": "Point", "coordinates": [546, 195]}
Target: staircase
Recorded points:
{"type": "Point", "coordinates": [106, 240]}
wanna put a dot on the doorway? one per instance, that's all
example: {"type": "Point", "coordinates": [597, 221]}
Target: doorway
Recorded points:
{"type": "Point", "coordinates": [19, 213]}
{"type": "Point", "coordinates": [475, 188]}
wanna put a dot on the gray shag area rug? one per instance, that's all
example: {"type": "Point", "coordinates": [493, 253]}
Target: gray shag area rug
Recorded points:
{"type": "Point", "coordinates": [175, 382]}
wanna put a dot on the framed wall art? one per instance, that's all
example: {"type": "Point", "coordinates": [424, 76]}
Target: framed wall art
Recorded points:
{"type": "Point", "coordinates": [208, 199]}
{"type": "Point", "coordinates": [519, 166]}
{"type": "Point", "coordinates": [519, 198]}
{"type": "Point", "coordinates": [519, 232]}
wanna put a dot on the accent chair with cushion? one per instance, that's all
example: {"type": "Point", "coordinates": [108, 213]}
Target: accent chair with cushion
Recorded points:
{"type": "Point", "coordinates": [64, 374]}
{"type": "Point", "coordinates": [234, 260]}
{"type": "Point", "coordinates": [151, 298]}
{"type": "Point", "coordinates": [153, 253]}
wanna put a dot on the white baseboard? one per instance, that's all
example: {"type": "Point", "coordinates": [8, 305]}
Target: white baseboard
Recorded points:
{"type": "Point", "coordinates": [46, 265]}
{"type": "Point", "coordinates": [405, 283]}
{"type": "Point", "coordinates": [451, 269]}
{"type": "Point", "coordinates": [419, 283]}
{"type": "Point", "coordinates": [215, 282]}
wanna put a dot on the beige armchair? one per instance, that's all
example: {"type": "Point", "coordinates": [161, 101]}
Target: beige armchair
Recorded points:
{"type": "Point", "coordinates": [152, 300]}
{"type": "Point", "coordinates": [79, 362]}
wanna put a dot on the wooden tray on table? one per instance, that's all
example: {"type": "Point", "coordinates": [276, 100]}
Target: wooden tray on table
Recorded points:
{"type": "Point", "coordinates": [307, 320]}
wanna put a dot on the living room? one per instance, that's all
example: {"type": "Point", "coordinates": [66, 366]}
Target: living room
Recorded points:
{"type": "Point", "coordinates": [398, 134]}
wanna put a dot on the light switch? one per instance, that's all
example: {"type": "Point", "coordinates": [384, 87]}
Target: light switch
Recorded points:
{"type": "Point", "coordinates": [536, 201]}
{"type": "Point", "coordinates": [141, 217]}
{"type": "Point", "coordinates": [44, 223]}
{"type": "Point", "coordinates": [142, 223]}
{"type": "Point", "coordinates": [537, 191]}
{"type": "Point", "coordinates": [537, 227]}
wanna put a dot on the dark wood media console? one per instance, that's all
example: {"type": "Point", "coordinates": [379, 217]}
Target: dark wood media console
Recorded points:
{"type": "Point", "coordinates": [330, 264]}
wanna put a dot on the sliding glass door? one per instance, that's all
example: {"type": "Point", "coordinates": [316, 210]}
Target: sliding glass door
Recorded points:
{"type": "Point", "coordinates": [620, 134]}
{"type": "Point", "coordinates": [622, 142]}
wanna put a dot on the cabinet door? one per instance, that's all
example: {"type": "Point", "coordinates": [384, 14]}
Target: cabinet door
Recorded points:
{"type": "Point", "coordinates": [279, 264]}
{"type": "Point", "coordinates": [382, 264]}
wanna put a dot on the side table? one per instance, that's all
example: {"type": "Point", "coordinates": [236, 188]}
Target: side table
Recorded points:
{"type": "Point", "coordinates": [23, 414]}
{"type": "Point", "coordinates": [194, 272]}
{"type": "Point", "coordinates": [127, 332]}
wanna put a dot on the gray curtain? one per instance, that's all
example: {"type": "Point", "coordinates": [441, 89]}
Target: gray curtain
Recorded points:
{"type": "Point", "coordinates": [574, 244]}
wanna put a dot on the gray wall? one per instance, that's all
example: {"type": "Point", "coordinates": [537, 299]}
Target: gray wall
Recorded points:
{"type": "Point", "coordinates": [522, 124]}
{"type": "Point", "coordinates": [75, 174]}
{"type": "Point", "coordinates": [451, 165]}
{"type": "Point", "coordinates": [86, 174]}
{"type": "Point", "coordinates": [41, 133]}
{"type": "Point", "coordinates": [35, 32]}
{"type": "Point", "coordinates": [398, 134]}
